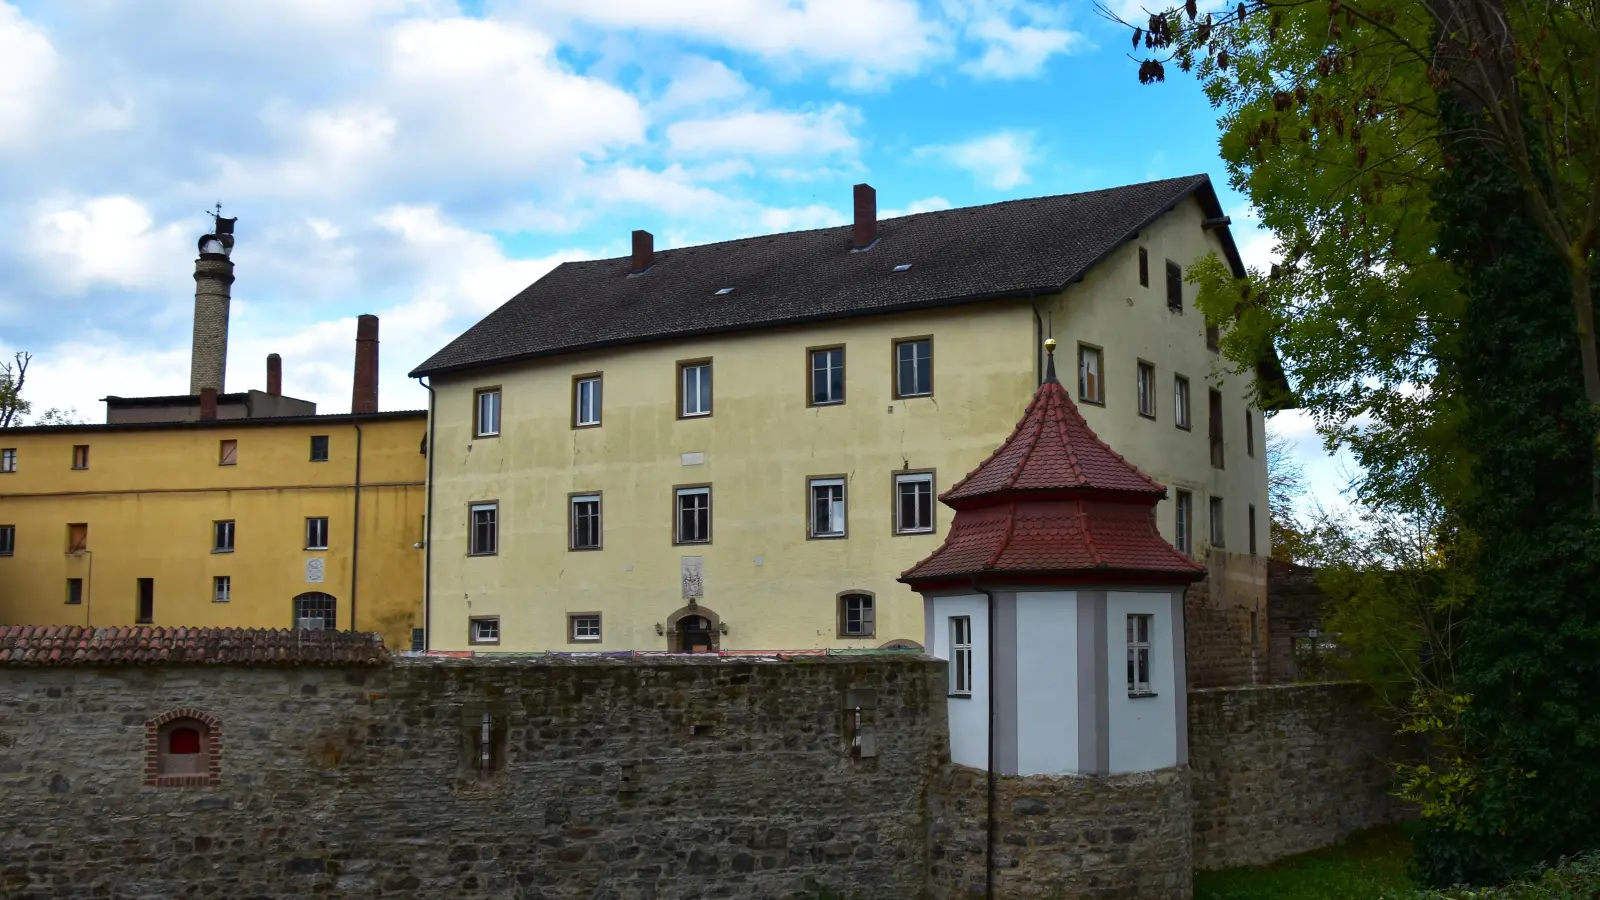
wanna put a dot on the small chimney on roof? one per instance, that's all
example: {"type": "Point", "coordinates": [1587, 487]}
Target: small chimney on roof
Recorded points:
{"type": "Point", "coordinates": [866, 216]}
{"type": "Point", "coordinates": [644, 251]}
{"type": "Point", "coordinates": [274, 374]}
{"type": "Point", "coordinates": [208, 403]}
{"type": "Point", "coordinates": [364, 391]}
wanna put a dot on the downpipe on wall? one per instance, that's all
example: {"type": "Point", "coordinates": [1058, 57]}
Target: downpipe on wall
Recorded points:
{"type": "Point", "coordinates": [427, 530]}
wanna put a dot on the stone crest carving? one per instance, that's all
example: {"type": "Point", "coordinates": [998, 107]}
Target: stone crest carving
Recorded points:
{"type": "Point", "coordinates": [694, 584]}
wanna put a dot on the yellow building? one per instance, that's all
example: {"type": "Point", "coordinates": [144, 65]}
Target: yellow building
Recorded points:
{"type": "Point", "coordinates": [239, 510]}
{"type": "Point", "coordinates": [739, 445]}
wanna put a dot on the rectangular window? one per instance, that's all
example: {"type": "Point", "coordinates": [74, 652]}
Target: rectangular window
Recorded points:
{"type": "Point", "coordinates": [586, 401]}
{"type": "Point", "coordinates": [1139, 655]}
{"type": "Point", "coordinates": [80, 456]}
{"type": "Point", "coordinates": [694, 394]}
{"type": "Point", "coordinates": [8, 540]}
{"type": "Point", "coordinates": [1180, 401]}
{"type": "Point", "coordinates": [317, 533]}
{"type": "Point", "coordinates": [1216, 430]}
{"type": "Point", "coordinates": [913, 503]}
{"type": "Point", "coordinates": [585, 513]}
{"type": "Point", "coordinates": [222, 589]}
{"type": "Point", "coordinates": [1174, 286]}
{"type": "Point", "coordinates": [1216, 523]}
{"type": "Point", "coordinates": [77, 537]}
{"type": "Point", "coordinates": [961, 656]}
{"type": "Point", "coordinates": [222, 536]}
{"type": "Point", "coordinates": [319, 448]}
{"type": "Point", "coordinates": [827, 376]}
{"type": "Point", "coordinates": [583, 627]}
{"type": "Point", "coordinates": [486, 412]}
{"type": "Point", "coordinates": [691, 515]}
{"type": "Point", "coordinates": [1091, 387]}
{"type": "Point", "coordinates": [1252, 524]}
{"type": "Point", "coordinates": [856, 617]}
{"type": "Point", "coordinates": [8, 460]}
{"type": "Point", "coordinates": [228, 453]}
{"type": "Point", "coordinates": [913, 367]}
{"type": "Point", "coordinates": [1249, 434]}
{"type": "Point", "coordinates": [147, 601]}
{"type": "Point", "coordinates": [1144, 267]}
{"type": "Point", "coordinates": [483, 537]}
{"type": "Point", "coordinates": [483, 630]}
{"type": "Point", "coordinates": [1147, 390]}
{"type": "Point", "coordinates": [827, 507]}
{"type": "Point", "coordinates": [74, 591]}
{"type": "Point", "coordinates": [1183, 530]}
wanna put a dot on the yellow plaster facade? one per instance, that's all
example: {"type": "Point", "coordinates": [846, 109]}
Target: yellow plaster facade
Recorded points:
{"type": "Point", "coordinates": [764, 579]}
{"type": "Point", "coordinates": [150, 496]}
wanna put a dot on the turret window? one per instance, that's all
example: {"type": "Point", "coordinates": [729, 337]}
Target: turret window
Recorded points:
{"type": "Point", "coordinates": [1139, 655]}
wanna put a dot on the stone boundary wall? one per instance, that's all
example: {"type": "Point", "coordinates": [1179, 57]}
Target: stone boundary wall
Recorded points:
{"type": "Point", "coordinates": [1280, 770]}
{"type": "Point", "coordinates": [656, 778]}
{"type": "Point", "coordinates": [1062, 837]}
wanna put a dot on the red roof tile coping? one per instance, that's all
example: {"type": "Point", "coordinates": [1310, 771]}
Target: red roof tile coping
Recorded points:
{"type": "Point", "coordinates": [1053, 452]}
{"type": "Point", "coordinates": [1054, 505]}
{"type": "Point", "coordinates": [76, 645]}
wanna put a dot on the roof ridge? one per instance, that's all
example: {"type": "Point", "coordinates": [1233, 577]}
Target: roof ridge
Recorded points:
{"type": "Point", "coordinates": [1187, 179]}
{"type": "Point", "coordinates": [1005, 539]}
{"type": "Point", "coordinates": [1061, 431]}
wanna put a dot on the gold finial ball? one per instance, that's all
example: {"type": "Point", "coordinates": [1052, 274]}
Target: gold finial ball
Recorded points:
{"type": "Point", "coordinates": [1049, 345]}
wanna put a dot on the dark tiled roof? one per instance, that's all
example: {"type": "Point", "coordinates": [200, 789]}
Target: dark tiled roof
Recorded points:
{"type": "Point", "coordinates": [958, 255]}
{"type": "Point", "coordinates": [1054, 504]}
{"type": "Point", "coordinates": [75, 645]}
{"type": "Point", "coordinates": [1052, 451]}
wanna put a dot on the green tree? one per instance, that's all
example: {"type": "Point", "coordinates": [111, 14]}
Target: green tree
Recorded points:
{"type": "Point", "coordinates": [13, 375]}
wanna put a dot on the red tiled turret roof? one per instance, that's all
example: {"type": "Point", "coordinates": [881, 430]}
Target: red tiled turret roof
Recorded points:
{"type": "Point", "coordinates": [76, 645]}
{"type": "Point", "coordinates": [1054, 504]}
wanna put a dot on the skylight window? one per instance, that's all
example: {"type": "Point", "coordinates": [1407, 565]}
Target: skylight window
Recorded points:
{"type": "Point", "coordinates": [721, 291]}
{"type": "Point", "coordinates": [903, 267]}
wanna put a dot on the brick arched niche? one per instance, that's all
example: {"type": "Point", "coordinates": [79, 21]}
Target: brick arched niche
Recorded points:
{"type": "Point", "coordinates": [183, 748]}
{"type": "Point", "coordinates": [678, 628]}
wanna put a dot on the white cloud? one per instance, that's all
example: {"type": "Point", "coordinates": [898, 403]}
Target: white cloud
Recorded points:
{"type": "Point", "coordinates": [1257, 246]}
{"type": "Point", "coordinates": [767, 133]}
{"type": "Point", "coordinates": [999, 161]}
{"type": "Point", "coordinates": [700, 81]}
{"type": "Point", "coordinates": [28, 66]}
{"type": "Point", "coordinates": [1018, 37]}
{"type": "Point", "coordinates": [866, 40]}
{"type": "Point", "coordinates": [926, 204]}
{"type": "Point", "coordinates": [104, 241]}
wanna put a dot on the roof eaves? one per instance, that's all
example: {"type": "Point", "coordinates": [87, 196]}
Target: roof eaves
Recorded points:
{"type": "Point", "coordinates": [247, 422]}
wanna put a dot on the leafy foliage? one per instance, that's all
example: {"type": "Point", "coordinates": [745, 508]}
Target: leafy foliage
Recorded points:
{"type": "Point", "coordinates": [13, 375]}
{"type": "Point", "coordinates": [1571, 879]}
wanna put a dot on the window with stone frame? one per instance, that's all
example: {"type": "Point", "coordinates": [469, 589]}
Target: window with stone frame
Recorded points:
{"type": "Point", "coordinates": [483, 536]}
{"type": "Point", "coordinates": [222, 536]}
{"type": "Point", "coordinates": [584, 510]}
{"type": "Point", "coordinates": [317, 533]}
{"type": "Point", "coordinates": [183, 748]}
{"type": "Point", "coordinates": [483, 630]}
{"type": "Point", "coordinates": [913, 503]}
{"type": "Point", "coordinates": [1091, 382]}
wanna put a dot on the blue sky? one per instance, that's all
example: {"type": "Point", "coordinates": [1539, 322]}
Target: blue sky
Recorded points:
{"type": "Point", "coordinates": [425, 159]}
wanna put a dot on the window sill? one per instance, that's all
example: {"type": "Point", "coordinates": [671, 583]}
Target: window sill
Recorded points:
{"type": "Point", "coordinates": [1150, 416]}
{"type": "Point", "coordinates": [316, 549]}
{"type": "Point", "coordinates": [1099, 403]}
{"type": "Point", "coordinates": [580, 426]}
{"type": "Point", "coordinates": [319, 460]}
{"type": "Point", "coordinates": [857, 637]}
{"type": "Point", "coordinates": [704, 543]}
{"type": "Point", "coordinates": [584, 549]}
{"type": "Point", "coordinates": [899, 533]}
{"type": "Point", "coordinates": [1184, 427]}
{"type": "Point", "coordinates": [697, 415]}
{"type": "Point", "coordinates": [927, 396]}
{"type": "Point", "coordinates": [482, 554]}
{"type": "Point", "coordinates": [221, 550]}
{"type": "Point", "coordinates": [1142, 695]}
{"type": "Point", "coordinates": [959, 696]}
{"type": "Point", "coordinates": [480, 437]}
{"type": "Point", "coordinates": [827, 537]}
{"type": "Point", "coordinates": [816, 403]}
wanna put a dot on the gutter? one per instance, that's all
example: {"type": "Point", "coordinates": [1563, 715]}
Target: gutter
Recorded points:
{"type": "Point", "coordinates": [427, 532]}
{"type": "Point", "coordinates": [355, 542]}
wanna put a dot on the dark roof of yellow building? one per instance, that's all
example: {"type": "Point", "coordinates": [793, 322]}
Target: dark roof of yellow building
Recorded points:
{"type": "Point", "coordinates": [1013, 249]}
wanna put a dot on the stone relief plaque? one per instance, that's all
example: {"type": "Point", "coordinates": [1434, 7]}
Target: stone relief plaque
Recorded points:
{"type": "Point", "coordinates": [694, 583]}
{"type": "Point", "coordinates": [314, 570]}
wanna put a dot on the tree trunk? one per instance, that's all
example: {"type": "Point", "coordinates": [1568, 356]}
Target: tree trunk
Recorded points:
{"type": "Point", "coordinates": [1583, 308]}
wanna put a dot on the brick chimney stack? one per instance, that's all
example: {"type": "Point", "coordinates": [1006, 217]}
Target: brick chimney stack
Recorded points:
{"type": "Point", "coordinates": [208, 403]}
{"type": "Point", "coordinates": [364, 393]}
{"type": "Point", "coordinates": [274, 374]}
{"type": "Point", "coordinates": [866, 216]}
{"type": "Point", "coordinates": [644, 251]}
{"type": "Point", "coordinates": [213, 287]}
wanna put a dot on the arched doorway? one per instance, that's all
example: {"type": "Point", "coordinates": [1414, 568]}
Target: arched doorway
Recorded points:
{"type": "Point", "coordinates": [694, 629]}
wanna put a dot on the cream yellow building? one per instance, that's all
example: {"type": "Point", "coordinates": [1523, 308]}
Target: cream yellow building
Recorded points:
{"type": "Point", "coordinates": [661, 452]}
{"type": "Point", "coordinates": [214, 509]}
{"type": "Point", "coordinates": [216, 523]}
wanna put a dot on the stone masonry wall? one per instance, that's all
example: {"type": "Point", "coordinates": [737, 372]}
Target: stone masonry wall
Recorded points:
{"type": "Point", "coordinates": [1224, 647]}
{"type": "Point", "coordinates": [1284, 769]}
{"type": "Point", "coordinates": [1295, 606]}
{"type": "Point", "coordinates": [658, 778]}
{"type": "Point", "coordinates": [1062, 837]}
